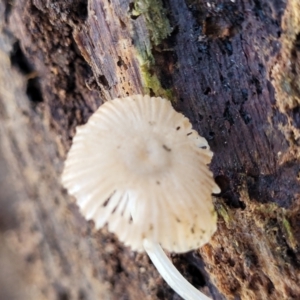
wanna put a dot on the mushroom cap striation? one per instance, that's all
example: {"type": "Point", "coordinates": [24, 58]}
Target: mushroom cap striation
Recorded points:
{"type": "Point", "coordinates": [139, 167]}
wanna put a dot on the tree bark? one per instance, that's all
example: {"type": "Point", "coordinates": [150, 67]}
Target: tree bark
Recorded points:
{"type": "Point", "coordinates": [232, 67]}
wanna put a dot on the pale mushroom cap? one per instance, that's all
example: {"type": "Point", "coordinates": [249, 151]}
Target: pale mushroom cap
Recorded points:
{"type": "Point", "coordinates": [138, 166]}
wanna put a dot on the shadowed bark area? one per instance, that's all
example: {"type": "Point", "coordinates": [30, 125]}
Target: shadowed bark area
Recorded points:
{"type": "Point", "coordinates": [232, 67]}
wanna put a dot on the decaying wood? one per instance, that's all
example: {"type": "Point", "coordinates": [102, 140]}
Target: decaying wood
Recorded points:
{"type": "Point", "coordinates": [232, 67]}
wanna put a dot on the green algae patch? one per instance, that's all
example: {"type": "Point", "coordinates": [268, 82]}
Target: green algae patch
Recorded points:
{"type": "Point", "coordinates": [157, 28]}
{"type": "Point", "coordinates": [153, 84]}
{"type": "Point", "coordinates": [156, 19]}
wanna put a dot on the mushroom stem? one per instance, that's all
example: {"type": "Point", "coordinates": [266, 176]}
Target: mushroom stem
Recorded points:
{"type": "Point", "coordinates": [170, 274]}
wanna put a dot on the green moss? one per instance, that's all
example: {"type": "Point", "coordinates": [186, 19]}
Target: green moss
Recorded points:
{"type": "Point", "coordinates": [152, 84]}
{"type": "Point", "coordinates": [158, 28]}
{"type": "Point", "coordinates": [155, 16]}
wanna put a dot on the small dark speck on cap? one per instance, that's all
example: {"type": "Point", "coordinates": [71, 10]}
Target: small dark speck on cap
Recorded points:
{"type": "Point", "coordinates": [166, 148]}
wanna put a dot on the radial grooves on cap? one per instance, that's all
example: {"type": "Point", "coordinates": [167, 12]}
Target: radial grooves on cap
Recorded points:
{"type": "Point", "coordinates": [170, 202]}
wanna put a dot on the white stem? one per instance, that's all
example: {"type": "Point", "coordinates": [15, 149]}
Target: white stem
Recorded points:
{"type": "Point", "coordinates": [170, 274]}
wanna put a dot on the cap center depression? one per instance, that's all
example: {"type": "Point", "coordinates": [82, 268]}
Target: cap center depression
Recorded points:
{"type": "Point", "coordinates": [146, 155]}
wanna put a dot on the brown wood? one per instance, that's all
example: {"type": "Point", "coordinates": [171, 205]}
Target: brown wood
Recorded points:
{"type": "Point", "coordinates": [232, 67]}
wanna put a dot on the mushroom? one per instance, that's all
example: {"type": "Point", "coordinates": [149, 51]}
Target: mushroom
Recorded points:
{"type": "Point", "coordinates": [139, 167]}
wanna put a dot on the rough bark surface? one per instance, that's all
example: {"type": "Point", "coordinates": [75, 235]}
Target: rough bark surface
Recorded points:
{"type": "Point", "coordinates": [232, 67]}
